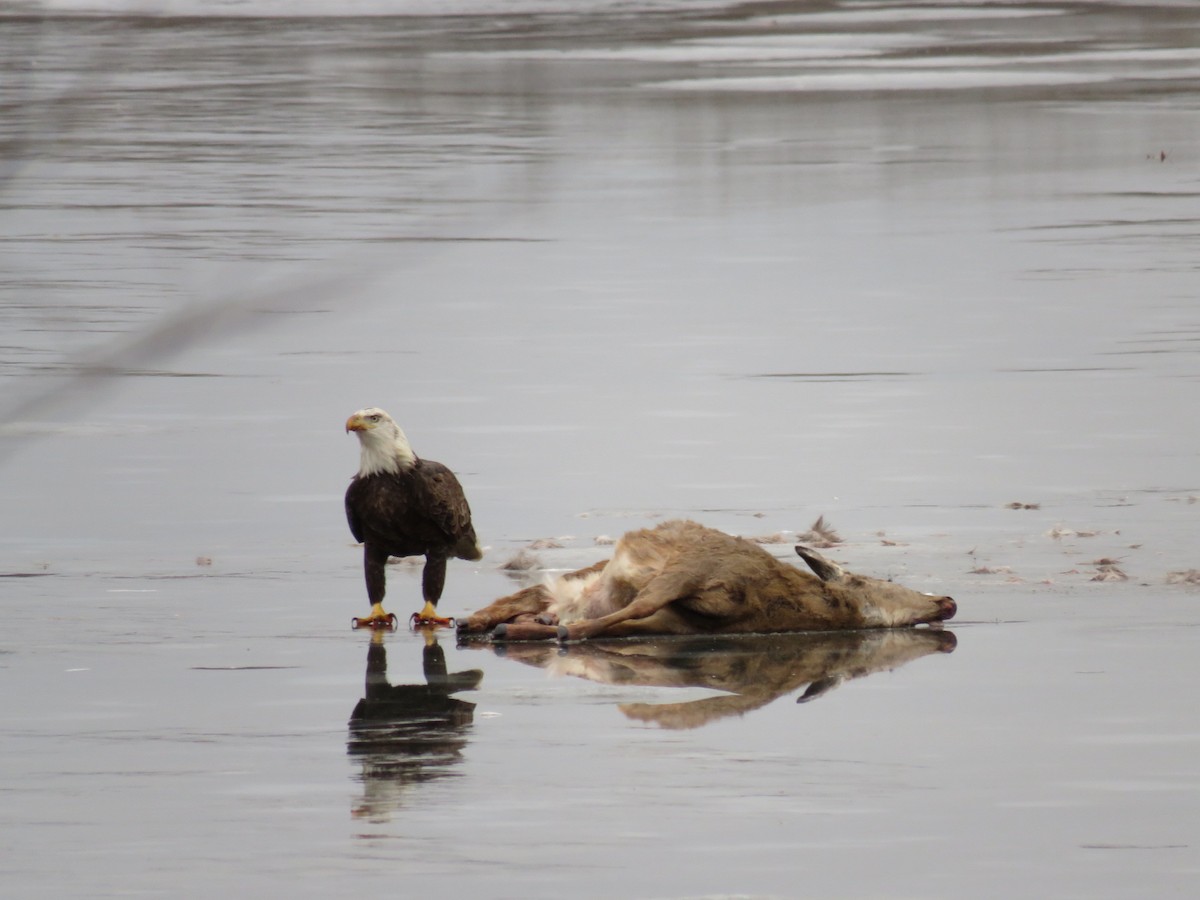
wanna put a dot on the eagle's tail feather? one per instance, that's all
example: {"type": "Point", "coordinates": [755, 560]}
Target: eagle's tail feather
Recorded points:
{"type": "Point", "coordinates": [468, 548]}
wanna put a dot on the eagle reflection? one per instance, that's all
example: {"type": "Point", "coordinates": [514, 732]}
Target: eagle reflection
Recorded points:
{"type": "Point", "coordinates": [750, 671]}
{"type": "Point", "coordinates": [404, 734]}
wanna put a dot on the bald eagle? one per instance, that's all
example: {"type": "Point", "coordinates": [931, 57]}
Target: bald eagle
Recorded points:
{"type": "Point", "coordinates": [401, 505]}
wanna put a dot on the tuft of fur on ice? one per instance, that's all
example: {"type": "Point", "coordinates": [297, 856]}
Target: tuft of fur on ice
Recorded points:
{"type": "Point", "coordinates": [821, 534]}
{"type": "Point", "coordinates": [522, 561]}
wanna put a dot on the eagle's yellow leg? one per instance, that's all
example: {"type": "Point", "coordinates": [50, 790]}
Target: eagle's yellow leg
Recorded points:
{"type": "Point", "coordinates": [377, 619]}
{"type": "Point", "coordinates": [429, 616]}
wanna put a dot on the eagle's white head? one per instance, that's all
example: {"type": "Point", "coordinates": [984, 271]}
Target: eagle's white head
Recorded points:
{"type": "Point", "coordinates": [384, 446]}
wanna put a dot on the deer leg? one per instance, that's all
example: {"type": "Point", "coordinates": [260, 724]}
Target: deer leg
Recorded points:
{"type": "Point", "coordinates": [663, 589]}
{"type": "Point", "coordinates": [527, 602]}
{"type": "Point", "coordinates": [527, 631]}
{"type": "Point", "coordinates": [524, 604]}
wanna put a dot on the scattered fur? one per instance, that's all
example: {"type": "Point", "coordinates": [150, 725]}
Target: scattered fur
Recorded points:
{"type": "Point", "coordinates": [1110, 573]}
{"type": "Point", "coordinates": [1059, 532]}
{"type": "Point", "coordinates": [820, 534]}
{"type": "Point", "coordinates": [779, 537]}
{"type": "Point", "coordinates": [409, 561]}
{"type": "Point", "coordinates": [522, 561]}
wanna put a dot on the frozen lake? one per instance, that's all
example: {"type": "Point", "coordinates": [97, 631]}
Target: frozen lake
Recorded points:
{"type": "Point", "coordinates": [928, 270]}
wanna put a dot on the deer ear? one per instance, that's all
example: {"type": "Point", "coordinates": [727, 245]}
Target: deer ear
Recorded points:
{"type": "Point", "coordinates": [825, 569]}
{"type": "Point", "coordinates": [820, 687]}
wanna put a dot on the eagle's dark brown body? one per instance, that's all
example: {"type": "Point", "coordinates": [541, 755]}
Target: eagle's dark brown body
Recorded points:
{"type": "Point", "coordinates": [418, 511]}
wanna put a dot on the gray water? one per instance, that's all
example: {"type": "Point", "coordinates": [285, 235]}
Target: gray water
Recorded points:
{"type": "Point", "coordinates": [898, 265]}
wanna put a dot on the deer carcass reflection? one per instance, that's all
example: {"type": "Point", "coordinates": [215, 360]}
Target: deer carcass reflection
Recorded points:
{"type": "Point", "coordinates": [750, 671]}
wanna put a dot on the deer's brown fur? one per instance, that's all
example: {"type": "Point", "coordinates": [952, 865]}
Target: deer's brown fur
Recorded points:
{"type": "Point", "coordinates": [684, 578]}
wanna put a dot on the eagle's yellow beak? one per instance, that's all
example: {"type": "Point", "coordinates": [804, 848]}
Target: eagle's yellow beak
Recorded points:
{"type": "Point", "coordinates": [356, 423]}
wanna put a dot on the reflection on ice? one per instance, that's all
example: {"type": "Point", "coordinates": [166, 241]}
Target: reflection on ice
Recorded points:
{"type": "Point", "coordinates": [750, 671]}
{"type": "Point", "coordinates": [893, 80]}
{"type": "Point", "coordinates": [349, 8]}
{"type": "Point", "coordinates": [534, 258]}
{"type": "Point", "coordinates": [404, 734]}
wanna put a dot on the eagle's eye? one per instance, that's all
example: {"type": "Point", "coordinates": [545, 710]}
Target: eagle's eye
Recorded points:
{"type": "Point", "coordinates": [374, 417]}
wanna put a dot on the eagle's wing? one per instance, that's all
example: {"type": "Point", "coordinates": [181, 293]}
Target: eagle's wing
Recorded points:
{"type": "Point", "coordinates": [352, 518]}
{"type": "Point", "coordinates": [443, 501]}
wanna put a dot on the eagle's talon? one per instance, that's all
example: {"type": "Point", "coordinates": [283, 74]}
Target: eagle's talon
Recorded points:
{"type": "Point", "coordinates": [389, 622]}
{"type": "Point", "coordinates": [418, 620]}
